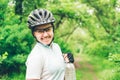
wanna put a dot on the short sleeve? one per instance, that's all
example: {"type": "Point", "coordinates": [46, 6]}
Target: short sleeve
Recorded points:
{"type": "Point", "coordinates": [57, 47]}
{"type": "Point", "coordinates": [34, 65]}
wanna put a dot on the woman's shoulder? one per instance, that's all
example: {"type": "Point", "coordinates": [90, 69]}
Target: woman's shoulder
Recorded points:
{"type": "Point", "coordinates": [55, 45]}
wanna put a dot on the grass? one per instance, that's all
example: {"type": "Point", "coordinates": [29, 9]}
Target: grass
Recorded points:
{"type": "Point", "coordinates": [78, 74]}
{"type": "Point", "coordinates": [95, 68]}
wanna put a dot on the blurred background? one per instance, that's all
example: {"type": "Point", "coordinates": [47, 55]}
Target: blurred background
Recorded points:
{"type": "Point", "coordinates": [90, 29]}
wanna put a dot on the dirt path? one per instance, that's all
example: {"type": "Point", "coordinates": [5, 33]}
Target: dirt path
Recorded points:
{"type": "Point", "coordinates": [87, 70]}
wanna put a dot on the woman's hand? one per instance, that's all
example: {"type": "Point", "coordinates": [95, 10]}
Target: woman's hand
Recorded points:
{"type": "Point", "coordinates": [68, 57]}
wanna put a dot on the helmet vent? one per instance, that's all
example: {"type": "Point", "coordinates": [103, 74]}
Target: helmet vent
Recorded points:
{"type": "Point", "coordinates": [45, 13]}
{"type": "Point", "coordinates": [40, 13]}
{"type": "Point", "coordinates": [32, 18]}
{"type": "Point", "coordinates": [36, 16]}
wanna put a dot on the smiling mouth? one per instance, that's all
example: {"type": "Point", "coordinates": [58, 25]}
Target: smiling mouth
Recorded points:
{"type": "Point", "coordinates": [46, 39]}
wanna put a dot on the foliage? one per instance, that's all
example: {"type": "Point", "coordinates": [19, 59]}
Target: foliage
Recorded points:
{"type": "Point", "coordinates": [111, 75]}
{"type": "Point", "coordinates": [64, 47]}
{"type": "Point", "coordinates": [98, 48]}
{"type": "Point", "coordinates": [15, 39]}
{"type": "Point", "coordinates": [3, 57]}
{"type": "Point", "coordinates": [29, 6]}
{"type": "Point", "coordinates": [15, 64]}
{"type": "Point", "coordinates": [114, 57]}
{"type": "Point", "coordinates": [3, 6]}
{"type": "Point", "coordinates": [13, 76]}
{"type": "Point", "coordinates": [82, 26]}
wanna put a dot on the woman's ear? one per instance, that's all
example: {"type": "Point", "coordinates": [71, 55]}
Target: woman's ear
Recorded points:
{"type": "Point", "coordinates": [53, 27]}
{"type": "Point", "coordinates": [33, 33]}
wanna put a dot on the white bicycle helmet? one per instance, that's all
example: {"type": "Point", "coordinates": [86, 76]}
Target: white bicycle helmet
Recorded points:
{"type": "Point", "coordinates": [39, 17]}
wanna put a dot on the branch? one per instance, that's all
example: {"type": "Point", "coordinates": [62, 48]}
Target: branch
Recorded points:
{"type": "Point", "coordinates": [70, 33]}
{"type": "Point", "coordinates": [59, 22]}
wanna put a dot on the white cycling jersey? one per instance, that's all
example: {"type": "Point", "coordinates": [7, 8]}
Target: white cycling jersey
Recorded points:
{"type": "Point", "coordinates": [45, 63]}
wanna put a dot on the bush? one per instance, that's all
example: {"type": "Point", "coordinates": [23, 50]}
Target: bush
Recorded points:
{"type": "Point", "coordinates": [98, 48]}
{"type": "Point", "coordinates": [15, 64]}
{"type": "Point", "coordinates": [15, 39]}
{"type": "Point", "coordinates": [3, 57]}
{"type": "Point", "coordinates": [114, 57]}
{"type": "Point", "coordinates": [64, 46]}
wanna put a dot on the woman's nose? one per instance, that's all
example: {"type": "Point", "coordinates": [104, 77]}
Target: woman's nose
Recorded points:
{"type": "Point", "coordinates": [45, 33]}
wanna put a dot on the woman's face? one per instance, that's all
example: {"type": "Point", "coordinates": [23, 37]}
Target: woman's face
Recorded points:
{"type": "Point", "coordinates": [44, 33]}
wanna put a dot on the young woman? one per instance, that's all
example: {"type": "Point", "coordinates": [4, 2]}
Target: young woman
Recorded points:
{"type": "Point", "coordinates": [45, 62]}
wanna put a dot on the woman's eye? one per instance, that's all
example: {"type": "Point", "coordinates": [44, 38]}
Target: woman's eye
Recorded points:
{"type": "Point", "coordinates": [40, 31]}
{"type": "Point", "coordinates": [48, 29]}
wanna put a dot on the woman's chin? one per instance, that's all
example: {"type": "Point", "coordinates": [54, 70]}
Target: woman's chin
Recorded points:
{"type": "Point", "coordinates": [46, 43]}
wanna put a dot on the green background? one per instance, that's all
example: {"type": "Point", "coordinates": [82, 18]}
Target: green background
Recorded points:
{"type": "Point", "coordinates": [90, 29]}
